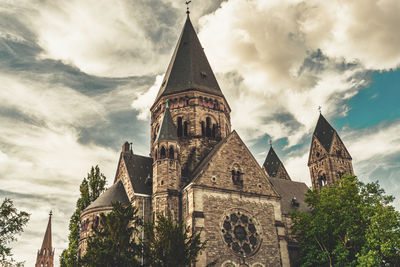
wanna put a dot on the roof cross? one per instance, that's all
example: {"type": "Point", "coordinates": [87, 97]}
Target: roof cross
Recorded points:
{"type": "Point", "coordinates": [270, 142]}
{"type": "Point", "coordinates": [319, 109]}
{"type": "Point", "coordinates": [187, 7]}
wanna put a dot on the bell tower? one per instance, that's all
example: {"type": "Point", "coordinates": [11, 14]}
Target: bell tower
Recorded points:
{"type": "Point", "coordinates": [329, 158]}
{"type": "Point", "coordinates": [197, 106]}
{"type": "Point", "coordinates": [45, 256]}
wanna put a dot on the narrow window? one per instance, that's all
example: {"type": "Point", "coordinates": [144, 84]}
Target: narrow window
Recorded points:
{"type": "Point", "coordinates": [179, 126]}
{"type": "Point", "coordinates": [208, 127]}
{"type": "Point", "coordinates": [171, 152]}
{"type": "Point", "coordinates": [203, 130]}
{"type": "Point", "coordinates": [185, 129]}
{"type": "Point", "coordinates": [163, 152]}
{"type": "Point", "coordinates": [155, 155]}
{"type": "Point", "coordinates": [214, 130]}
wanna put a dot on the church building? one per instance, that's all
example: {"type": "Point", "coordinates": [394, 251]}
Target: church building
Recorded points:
{"type": "Point", "coordinates": [200, 171]}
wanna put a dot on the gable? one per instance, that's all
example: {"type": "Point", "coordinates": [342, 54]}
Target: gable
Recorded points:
{"type": "Point", "coordinates": [317, 150]}
{"type": "Point", "coordinates": [122, 174]}
{"type": "Point", "coordinates": [232, 154]}
{"type": "Point", "coordinates": [338, 148]}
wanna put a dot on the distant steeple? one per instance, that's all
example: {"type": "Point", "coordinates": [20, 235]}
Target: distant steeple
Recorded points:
{"type": "Point", "coordinates": [167, 129]}
{"type": "Point", "coordinates": [189, 68]}
{"type": "Point", "coordinates": [324, 132]}
{"type": "Point", "coordinates": [45, 256]}
{"type": "Point", "coordinates": [273, 165]}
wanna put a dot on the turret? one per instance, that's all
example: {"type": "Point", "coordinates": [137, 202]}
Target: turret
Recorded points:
{"type": "Point", "coordinates": [166, 168]}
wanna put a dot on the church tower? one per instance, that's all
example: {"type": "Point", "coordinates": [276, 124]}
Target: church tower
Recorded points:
{"type": "Point", "coordinates": [45, 255]}
{"type": "Point", "coordinates": [329, 158]}
{"type": "Point", "coordinates": [166, 169]}
{"type": "Point", "coordinates": [197, 106]}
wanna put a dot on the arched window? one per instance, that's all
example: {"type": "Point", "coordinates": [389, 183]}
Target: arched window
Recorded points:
{"type": "Point", "coordinates": [208, 127]}
{"type": "Point", "coordinates": [163, 153]}
{"type": "Point", "coordinates": [237, 175]}
{"type": "Point", "coordinates": [185, 129]}
{"type": "Point", "coordinates": [322, 180]}
{"type": "Point", "coordinates": [179, 126]}
{"type": "Point", "coordinates": [155, 155]}
{"type": "Point", "coordinates": [340, 173]}
{"type": "Point", "coordinates": [171, 152]}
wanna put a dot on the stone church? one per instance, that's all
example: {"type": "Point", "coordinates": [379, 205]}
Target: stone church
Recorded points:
{"type": "Point", "coordinates": [200, 171]}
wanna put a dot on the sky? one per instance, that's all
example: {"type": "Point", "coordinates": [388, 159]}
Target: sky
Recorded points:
{"type": "Point", "coordinates": [77, 79]}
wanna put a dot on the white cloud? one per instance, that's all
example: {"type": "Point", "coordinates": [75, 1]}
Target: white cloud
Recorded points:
{"type": "Point", "coordinates": [145, 100]}
{"type": "Point", "coordinates": [274, 48]}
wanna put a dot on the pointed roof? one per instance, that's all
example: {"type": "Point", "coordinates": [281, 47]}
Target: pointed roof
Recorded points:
{"type": "Point", "coordinates": [189, 68]}
{"type": "Point", "coordinates": [167, 129]}
{"type": "Point", "coordinates": [324, 132]}
{"type": "Point", "coordinates": [272, 163]}
{"type": "Point", "coordinates": [140, 172]}
{"type": "Point", "coordinates": [115, 193]}
{"type": "Point", "coordinates": [47, 236]}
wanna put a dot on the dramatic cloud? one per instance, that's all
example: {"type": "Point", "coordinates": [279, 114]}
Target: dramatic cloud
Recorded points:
{"type": "Point", "coordinates": [293, 56]}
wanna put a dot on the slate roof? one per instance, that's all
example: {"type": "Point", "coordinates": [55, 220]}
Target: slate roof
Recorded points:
{"type": "Point", "coordinates": [287, 190]}
{"type": "Point", "coordinates": [189, 68]}
{"type": "Point", "coordinates": [272, 163]}
{"type": "Point", "coordinates": [115, 193]}
{"type": "Point", "coordinates": [324, 132]}
{"type": "Point", "coordinates": [47, 237]}
{"type": "Point", "coordinates": [167, 129]}
{"type": "Point", "coordinates": [139, 169]}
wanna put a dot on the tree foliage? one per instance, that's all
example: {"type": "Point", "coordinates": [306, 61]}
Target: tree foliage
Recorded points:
{"type": "Point", "coordinates": [170, 244]}
{"type": "Point", "coordinates": [351, 224]}
{"type": "Point", "coordinates": [90, 189]}
{"type": "Point", "coordinates": [12, 222]}
{"type": "Point", "coordinates": [112, 242]}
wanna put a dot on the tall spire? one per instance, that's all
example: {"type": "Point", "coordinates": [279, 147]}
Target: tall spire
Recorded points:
{"type": "Point", "coordinates": [47, 236]}
{"type": "Point", "coordinates": [189, 68]}
{"type": "Point", "coordinates": [45, 255]}
{"type": "Point", "coordinates": [324, 132]}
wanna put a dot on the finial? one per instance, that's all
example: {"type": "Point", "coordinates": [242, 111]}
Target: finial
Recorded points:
{"type": "Point", "coordinates": [319, 109]}
{"type": "Point", "coordinates": [187, 7]}
{"type": "Point", "coordinates": [166, 102]}
{"type": "Point", "coordinates": [131, 146]}
{"type": "Point", "coordinates": [270, 142]}
{"type": "Point", "coordinates": [51, 213]}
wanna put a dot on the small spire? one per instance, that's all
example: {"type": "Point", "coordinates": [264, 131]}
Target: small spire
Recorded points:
{"type": "Point", "coordinates": [187, 7]}
{"type": "Point", "coordinates": [319, 109]}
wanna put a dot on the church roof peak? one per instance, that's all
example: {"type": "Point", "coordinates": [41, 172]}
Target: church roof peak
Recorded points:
{"type": "Point", "coordinates": [324, 132]}
{"type": "Point", "coordinates": [47, 244]}
{"type": "Point", "coordinates": [189, 68]}
{"type": "Point", "coordinates": [272, 162]}
{"type": "Point", "coordinates": [167, 129]}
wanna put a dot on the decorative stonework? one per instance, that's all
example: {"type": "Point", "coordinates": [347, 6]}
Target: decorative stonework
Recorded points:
{"type": "Point", "coordinates": [241, 232]}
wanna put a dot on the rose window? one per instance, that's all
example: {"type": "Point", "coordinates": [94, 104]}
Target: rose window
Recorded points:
{"type": "Point", "coordinates": [240, 232]}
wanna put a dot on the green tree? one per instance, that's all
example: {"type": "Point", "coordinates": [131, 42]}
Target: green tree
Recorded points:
{"type": "Point", "coordinates": [90, 189]}
{"type": "Point", "coordinates": [112, 243]}
{"type": "Point", "coordinates": [170, 244]}
{"type": "Point", "coordinates": [12, 223]}
{"type": "Point", "coordinates": [351, 224]}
